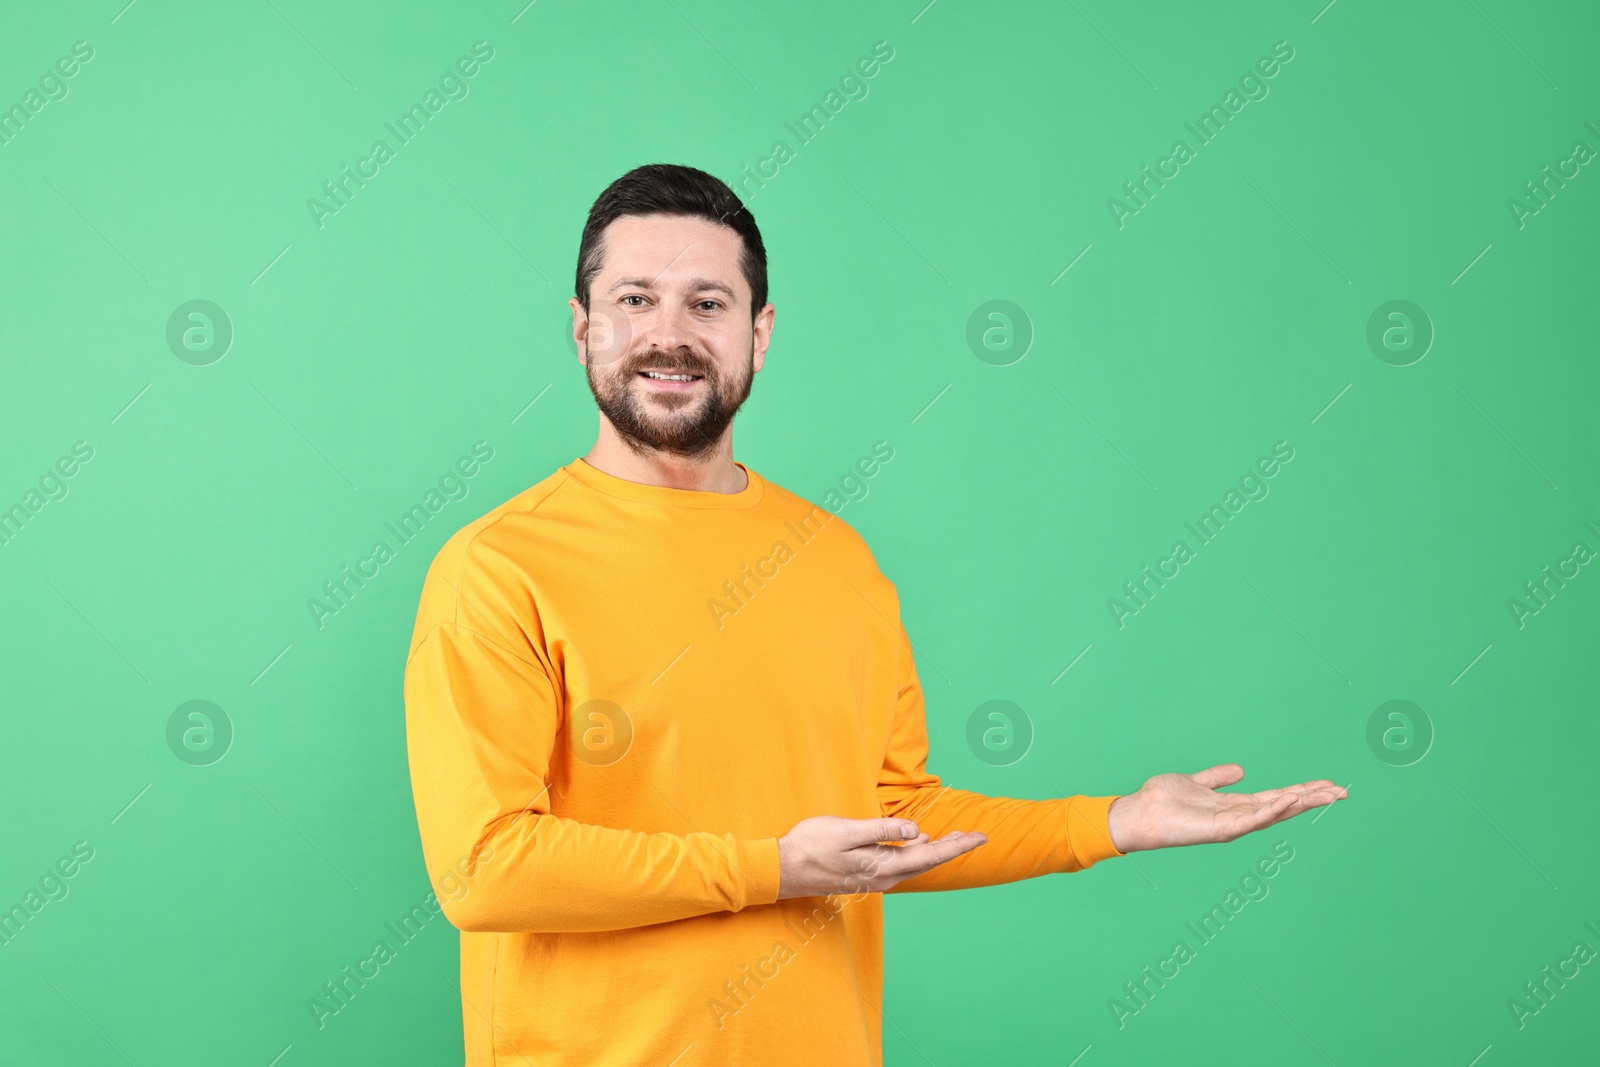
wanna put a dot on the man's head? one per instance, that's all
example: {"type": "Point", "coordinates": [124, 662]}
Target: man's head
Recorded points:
{"type": "Point", "coordinates": [671, 280]}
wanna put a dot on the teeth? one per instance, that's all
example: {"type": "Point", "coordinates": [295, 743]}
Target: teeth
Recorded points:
{"type": "Point", "coordinates": [671, 377]}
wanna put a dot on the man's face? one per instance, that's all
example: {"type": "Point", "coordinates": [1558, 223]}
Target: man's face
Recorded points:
{"type": "Point", "coordinates": [670, 299]}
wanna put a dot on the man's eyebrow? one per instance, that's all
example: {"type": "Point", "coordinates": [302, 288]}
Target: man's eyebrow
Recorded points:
{"type": "Point", "coordinates": [698, 284]}
{"type": "Point", "coordinates": [695, 285]}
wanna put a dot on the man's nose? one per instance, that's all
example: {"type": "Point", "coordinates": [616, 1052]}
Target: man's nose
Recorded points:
{"type": "Point", "coordinates": [668, 328]}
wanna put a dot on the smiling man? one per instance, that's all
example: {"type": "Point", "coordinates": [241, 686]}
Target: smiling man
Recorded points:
{"type": "Point", "coordinates": [665, 840]}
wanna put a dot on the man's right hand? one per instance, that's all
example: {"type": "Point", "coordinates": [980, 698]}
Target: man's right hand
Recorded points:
{"type": "Point", "coordinates": [828, 855]}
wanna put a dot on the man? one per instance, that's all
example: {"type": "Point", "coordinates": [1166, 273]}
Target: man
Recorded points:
{"type": "Point", "coordinates": [666, 736]}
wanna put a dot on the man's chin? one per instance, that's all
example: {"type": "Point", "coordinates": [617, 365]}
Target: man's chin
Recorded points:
{"type": "Point", "coordinates": [682, 433]}
{"type": "Point", "coordinates": [672, 445]}
{"type": "Point", "coordinates": [652, 420]}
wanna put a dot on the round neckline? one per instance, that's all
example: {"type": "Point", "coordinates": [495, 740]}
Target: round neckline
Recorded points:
{"type": "Point", "coordinates": [662, 495]}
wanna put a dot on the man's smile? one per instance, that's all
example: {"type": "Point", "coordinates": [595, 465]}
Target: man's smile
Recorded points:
{"type": "Point", "coordinates": [670, 380]}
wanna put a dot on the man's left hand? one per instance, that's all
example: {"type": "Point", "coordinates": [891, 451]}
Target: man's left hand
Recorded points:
{"type": "Point", "coordinates": [1186, 809]}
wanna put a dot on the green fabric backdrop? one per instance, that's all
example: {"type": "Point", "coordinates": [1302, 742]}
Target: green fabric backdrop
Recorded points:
{"type": "Point", "coordinates": [989, 256]}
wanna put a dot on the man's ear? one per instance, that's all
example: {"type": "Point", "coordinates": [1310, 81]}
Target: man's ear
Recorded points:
{"type": "Point", "coordinates": [580, 329]}
{"type": "Point", "coordinates": [762, 336]}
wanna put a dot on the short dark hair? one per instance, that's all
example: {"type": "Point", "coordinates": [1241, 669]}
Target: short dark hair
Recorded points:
{"type": "Point", "coordinates": [669, 189]}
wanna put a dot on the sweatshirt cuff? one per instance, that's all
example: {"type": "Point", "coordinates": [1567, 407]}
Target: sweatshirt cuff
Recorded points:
{"type": "Point", "coordinates": [1089, 830]}
{"type": "Point", "coordinates": [757, 869]}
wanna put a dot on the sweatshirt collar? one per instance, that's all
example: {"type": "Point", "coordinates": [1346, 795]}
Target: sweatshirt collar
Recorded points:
{"type": "Point", "coordinates": [661, 495]}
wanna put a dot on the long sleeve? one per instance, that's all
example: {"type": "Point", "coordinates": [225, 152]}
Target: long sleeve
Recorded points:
{"type": "Point", "coordinates": [481, 723]}
{"type": "Point", "coordinates": [1027, 838]}
{"type": "Point", "coordinates": [616, 889]}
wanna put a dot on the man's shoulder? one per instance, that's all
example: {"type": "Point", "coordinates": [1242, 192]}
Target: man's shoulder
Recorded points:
{"type": "Point", "coordinates": [477, 538]}
{"type": "Point", "coordinates": [477, 563]}
{"type": "Point", "coordinates": [806, 517]}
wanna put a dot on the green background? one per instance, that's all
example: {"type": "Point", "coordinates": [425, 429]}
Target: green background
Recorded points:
{"type": "Point", "coordinates": [1228, 314]}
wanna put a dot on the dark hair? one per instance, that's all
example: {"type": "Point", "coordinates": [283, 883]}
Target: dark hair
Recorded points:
{"type": "Point", "coordinates": [668, 189]}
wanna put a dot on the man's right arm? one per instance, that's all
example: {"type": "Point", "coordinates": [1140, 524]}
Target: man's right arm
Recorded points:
{"type": "Point", "coordinates": [482, 722]}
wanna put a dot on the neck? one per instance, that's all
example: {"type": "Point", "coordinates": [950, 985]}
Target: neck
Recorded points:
{"type": "Point", "coordinates": [712, 472]}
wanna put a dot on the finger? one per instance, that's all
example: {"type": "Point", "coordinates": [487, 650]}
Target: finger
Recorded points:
{"type": "Point", "coordinates": [1285, 806]}
{"type": "Point", "coordinates": [1303, 787]}
{"type": "Point", "coordinates": [907, 860]}
{"type": "Point", "coordinates": [915, 859]}
{"type": "Point", "coordinates": [1310, 795]}
{"type": "Point", "coordinates": [858, 832]}
{"type": "Point", "coordinates": [1219, 776]}
{"type": "Point", "coordinates": [1316, 798]}
{"type": "Point", "coordinates": [1280, 808]}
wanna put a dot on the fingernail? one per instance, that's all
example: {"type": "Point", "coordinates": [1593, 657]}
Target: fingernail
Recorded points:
{"type": "Point", "coordinates": [908, 830]}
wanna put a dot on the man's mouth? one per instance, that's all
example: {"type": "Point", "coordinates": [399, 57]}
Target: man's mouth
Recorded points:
{"type": "Point", "coordinates": [666, 379]}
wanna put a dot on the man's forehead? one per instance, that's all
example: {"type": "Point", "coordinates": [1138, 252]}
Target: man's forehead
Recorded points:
{"type": "Point", "coordinates": [671, 249]}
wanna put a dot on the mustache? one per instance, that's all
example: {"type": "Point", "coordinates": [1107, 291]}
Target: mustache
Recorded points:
{"type": "Point", "coordinates": [682, 362]}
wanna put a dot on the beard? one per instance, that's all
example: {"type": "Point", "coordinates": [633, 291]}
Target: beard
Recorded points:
{"type": "Point", "coordinates": [688, 424]}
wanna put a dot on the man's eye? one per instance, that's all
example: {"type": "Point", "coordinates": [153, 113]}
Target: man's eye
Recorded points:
{"type": "Point", "coordinates": [632, 296]}
{"type": "Point", "coordinates": [710, 305]}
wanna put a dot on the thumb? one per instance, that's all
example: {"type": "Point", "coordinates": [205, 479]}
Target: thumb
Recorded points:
{"type": "Point", "coordinates": [1219, 776]}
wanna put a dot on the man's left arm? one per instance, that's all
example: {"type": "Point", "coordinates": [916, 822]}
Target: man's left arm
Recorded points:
{"type": "Point", "coordinates": [1026, 838]}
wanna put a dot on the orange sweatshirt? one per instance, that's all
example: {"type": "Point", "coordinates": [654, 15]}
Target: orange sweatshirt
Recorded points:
{"type": "Point", "coordinates": [618, 697]}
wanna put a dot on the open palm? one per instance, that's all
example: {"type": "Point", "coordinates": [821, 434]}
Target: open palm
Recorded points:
{"type": "Point", "coordinates": [1187, 809]}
